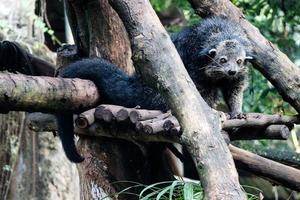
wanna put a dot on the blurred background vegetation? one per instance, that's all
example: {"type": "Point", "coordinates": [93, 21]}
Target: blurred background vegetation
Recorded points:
{"type": "Point", "coordinates": [278, 21]}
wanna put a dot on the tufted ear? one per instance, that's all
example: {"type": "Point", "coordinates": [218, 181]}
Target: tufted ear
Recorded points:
{"type": "Point", "coordinates": [205, 55]}
{"type": "Point", "coordinates": [249, 58]}
{"type": "Point", "coordinates": [212, 52]}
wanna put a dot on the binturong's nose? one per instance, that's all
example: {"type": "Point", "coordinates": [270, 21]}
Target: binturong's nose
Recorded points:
{"type": "Point", "coordinates": [231, 72]}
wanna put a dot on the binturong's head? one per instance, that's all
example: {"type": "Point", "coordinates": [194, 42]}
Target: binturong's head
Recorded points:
{"type": "Point", "coordinates": [226, 60]}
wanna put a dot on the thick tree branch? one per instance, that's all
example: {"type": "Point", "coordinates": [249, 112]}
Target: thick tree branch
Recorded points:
{"type": "Point", "coordinates": [271, 132]}
{"type": "Point", "coordinates": [46, 94]}
{"type": "Point", "coordinates": [156, 122]}
{"type": "Point", "coordinates": [269, 60]}
{"type": "Point", "coordinates": [287, 157]}
{"type": "Point", "coordinates": [258, 120]}
{"type": "Point", "coordinates": [157, 60]}
{"type": "Point", "coordinates": [277, 172]}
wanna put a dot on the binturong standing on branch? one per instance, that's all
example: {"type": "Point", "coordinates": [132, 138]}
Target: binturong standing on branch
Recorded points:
{"type": "Point", "coordinates": [214, 53]}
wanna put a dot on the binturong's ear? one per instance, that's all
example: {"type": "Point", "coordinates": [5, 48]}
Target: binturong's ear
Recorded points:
{"type": "Point", "coordinates": [207, 53]}
{"type": "Point", "coordinates": [212, 52]}
{"type": "Point", "coordinates": [249, 58]}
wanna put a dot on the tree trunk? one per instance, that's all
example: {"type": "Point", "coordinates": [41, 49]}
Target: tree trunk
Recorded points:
{"type": "Point", "coordinates": [159, 63]}
{"type": "Point", "coordinates": [101, 33]}
{"type": "Point", "coordinates": [34, 165]}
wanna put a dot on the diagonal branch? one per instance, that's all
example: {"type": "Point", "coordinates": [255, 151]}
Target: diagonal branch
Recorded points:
{"type": "Point", "coordinates": [159, 63]}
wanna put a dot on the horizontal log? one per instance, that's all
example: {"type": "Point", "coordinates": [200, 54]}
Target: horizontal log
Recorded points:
{"type": "Point", "coordinates": [252, 126]}
{"type": "Point", "coordinates": [278, 132]}
{"type": "Point", "coordinates": [277, 172]}
{"type": "Point", "coordinates": [101, 130]}
{"type": "Point", "coordinates": [46, 94]}
{"type": "Point", "coordinates": [256, 120]}
{"type": "Point", "coordinates": [287, 157]}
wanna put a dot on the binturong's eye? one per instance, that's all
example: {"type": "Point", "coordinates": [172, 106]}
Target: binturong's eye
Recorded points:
{"type": "Point", "coordinates": [223, 60]}
{"type": "Point", "coordinates": [239, 61]}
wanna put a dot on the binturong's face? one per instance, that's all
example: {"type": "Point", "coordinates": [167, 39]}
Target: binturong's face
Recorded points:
{"type": "Point", "coordinates": [227, 60]}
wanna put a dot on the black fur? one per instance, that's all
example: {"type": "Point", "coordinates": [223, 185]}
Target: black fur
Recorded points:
{"type": "Point", "coordinates": [208, 73]}
{"type": "Point", "coordinates": [115, 87]}
{"type": "Point", "coordinates": [14, 58]}
{"type": "Point", "coordinates": [194, 45]}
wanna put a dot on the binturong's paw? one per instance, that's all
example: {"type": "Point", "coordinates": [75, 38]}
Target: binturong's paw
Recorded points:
{"type": "Point", "coordinates": [237, 115]}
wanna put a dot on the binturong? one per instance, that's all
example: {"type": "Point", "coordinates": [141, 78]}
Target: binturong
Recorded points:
{"type": "Point", "coordinates": [115, 87]}
{"type": "Point", "coordinates": [214, 53]}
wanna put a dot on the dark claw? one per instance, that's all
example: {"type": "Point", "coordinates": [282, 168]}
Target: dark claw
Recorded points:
{"type": "Point", "coordinates": [234, 115]}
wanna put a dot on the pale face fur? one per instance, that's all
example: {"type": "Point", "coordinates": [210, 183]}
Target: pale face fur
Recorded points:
{"type": "Point", "coordinates": [227, 61]}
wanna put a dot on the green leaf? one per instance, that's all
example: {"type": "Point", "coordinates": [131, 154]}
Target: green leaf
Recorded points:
{"type": "Point", "coordinates": [188, 192]}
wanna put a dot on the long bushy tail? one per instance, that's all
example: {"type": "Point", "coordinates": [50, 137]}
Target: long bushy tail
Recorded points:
{"type": "Point", "coordinates": [66, 134]}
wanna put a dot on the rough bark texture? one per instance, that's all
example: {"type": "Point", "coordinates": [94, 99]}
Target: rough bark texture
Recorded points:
{"type": "Point", "coordinates": [269, 60]}
{"type": "Point", "coordinates": [97, 125]}
{"type": "Point", "coordinates": [12, 127]}
{"type": "Point", "coordinates": [259, 120]}
{"type": "Point", "coordinates": [99, 32]}
{"type": "Point", "coordinates": [100, 167]}
{"type": "Point", "coordinates": [157, 60]}
{"type": "Point", "coordinates": [153, 125]}
{"type": "Point", "coordinates": [49, 94]}
{"type": "Point", "coordinates": [108, 37]}
{"type": "Point", "coordinates": [272, 132]}
{"type": "Point", "coordinates": [37, 176]}
{"type": "Point", "coordinates": [38, 167]}
{"type": "Point", "coordinates": [279, 173]}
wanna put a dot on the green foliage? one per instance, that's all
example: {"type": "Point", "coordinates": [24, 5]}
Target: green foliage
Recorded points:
{"type": "Point", "coordinates": [278, 20]}
{"type": "Point", "coordinates": [40, 24]}
{"type": "Point", "coordinates": [169, 190]}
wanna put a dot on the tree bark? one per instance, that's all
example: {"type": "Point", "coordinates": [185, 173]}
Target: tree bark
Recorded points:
{"type": "Point", "coordinates": [9, 148]}
{"type": "Point", "coordinates": [269, 60]}
{"type": "Point", "coordinates": [115, 46]}
{"type": "Point", "coordinates": [279, 173]}
{"type": "Point", "coordinates": [48, 94]}
{"type": "Point", "coordinates": [102, 33]}
{"type": "Point", "coordinates": [37, 166]}
{"type": "Point", "coordinates": [157, 60]}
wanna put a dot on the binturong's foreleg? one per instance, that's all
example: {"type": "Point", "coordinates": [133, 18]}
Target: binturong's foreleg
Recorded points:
{"type": "Point", "coordinates": [233, 96]}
